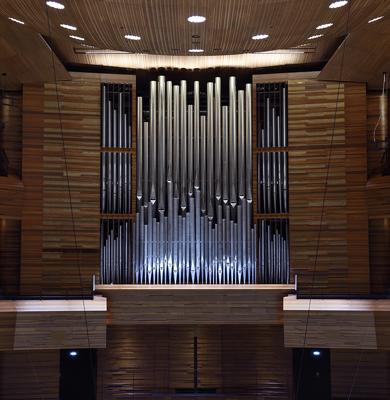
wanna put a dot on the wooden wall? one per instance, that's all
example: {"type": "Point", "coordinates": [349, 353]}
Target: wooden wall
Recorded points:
{"type": "Point", "coordinates": [360, 374]}
{"type": "Point", "coordinates": [162, 359]}
{"type": "Point", "coordinates": [378, 191]}
{"type": "Point", "coordinates": [9, 256]}
{"type": "Point", "coordinates": [327, 176]}
{"type": "Point", "coordinates": [32, 375]}
{"type": "Point", "coordinates": [60, 233]}
{"type": "Point", "coordinates": [11, 135]}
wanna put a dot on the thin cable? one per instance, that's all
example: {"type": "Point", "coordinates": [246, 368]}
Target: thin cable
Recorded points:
{"type": "Point", "coordinates": [71, 206]}
{"type": "Point", "coordinates": [324, 199]}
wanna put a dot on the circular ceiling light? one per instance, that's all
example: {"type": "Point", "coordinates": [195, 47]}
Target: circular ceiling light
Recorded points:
{"type": "Point", "coordinates": [375, 19]}
{"type": "Point", "coordinates": [76, 37]}
{"type": "Point", "coordinates": [55, 4]}
{"type": "Point", "coordinates": [314, 37]}
{"type": "Point", "coordinates": [260, 36]}
{"type": "Point", "coordinates": [133, 37]}
{"type": "Point", "coordinates": [338, 4]}
{"type": "Point", "coordinates": [70, 27]}
{"type": "Point", "coordinates": [196, 19]}
{"type": "Point", "coordinates": [324, 26]}
{"type": "Point", "coordinates": [16, 20]}
{"type": "Point", "coordinates": [195, 50]}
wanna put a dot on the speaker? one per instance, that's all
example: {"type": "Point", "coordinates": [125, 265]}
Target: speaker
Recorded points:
{"type": "Point", "coordinates": [312, 374]}
{"type": "Point", "coordinates": [78, 374]}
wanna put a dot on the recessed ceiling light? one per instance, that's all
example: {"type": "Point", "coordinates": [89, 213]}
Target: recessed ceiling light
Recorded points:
{"type": "Point", "coordinates": [314, 37]}
{"type": "Point", "coordinates": [196, 50]}
{"type": "Point", "coordinates": [196, 19]}
{"type": "Point", "coordinates": [316, 353]}
{"type": "Point", "coordinates": [16, 20]}
{"type": "Point", "coordinates": [324, 26]}
{"type": "Point", "coordinates": [76, 37]}
{"type": "Point", "coordinates": [70, 27]}
{"type": "Point", "coordinates": [55, 4]}
{"type": "Point", "coordinates": [260, 36]}
{"type": "Point", "coordinates": [133, 37]}
{"type": "Point", "coordinates": [375, 19]}
{"type": "Point", "coordinates": [73, 353]}
{"type": "Point", "coordinates": [338, 4]}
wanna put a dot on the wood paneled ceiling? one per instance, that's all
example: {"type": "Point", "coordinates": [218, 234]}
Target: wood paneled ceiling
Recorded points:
{"type": "Point", "coordinates": [164, 29]}
{"type": "Point", "coordinates": [166, 35]}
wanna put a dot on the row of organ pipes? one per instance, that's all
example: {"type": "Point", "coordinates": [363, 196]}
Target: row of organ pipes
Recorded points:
{"type": "Point", "coordinates": [116, 115]}
{"type": "Point", "coordinates": [194, 197]}
{"type": "Point", "coordinates": [115, 183]}
{"type": "Point", "coordinates": [194, 216]}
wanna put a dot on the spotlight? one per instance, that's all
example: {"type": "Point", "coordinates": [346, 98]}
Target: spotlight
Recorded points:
{"type": "Point", "coordinates": [316, 353]}
{"type": "Point", "coordinates": [73, 353]}
{"type": "Point", "coordinates": [196, 19]}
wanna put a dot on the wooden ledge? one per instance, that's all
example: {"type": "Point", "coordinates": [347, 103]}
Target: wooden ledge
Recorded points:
{"type": "Point", "coordinates": [291, 303]}
{"type": "Point", "coordinates": [98, 303]}
{"type": "Point", "coordinates": [194, 304]}
{"type": "Point", "coordinates": [114, 288]}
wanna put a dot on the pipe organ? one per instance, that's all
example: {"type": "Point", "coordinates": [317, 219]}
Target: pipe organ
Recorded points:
{"type": "Point", "coordinates": [194, 221]}
{"type": "Point", "coordinates": [272, 182]}
{"type": "Point", "coordinates": [194, 195]}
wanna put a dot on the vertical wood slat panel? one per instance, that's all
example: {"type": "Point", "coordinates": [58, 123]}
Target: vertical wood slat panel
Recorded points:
{"type": "Point", "coordinates": [319, 111]}
{"type": "Point", "coordinates": [230, 359]}
{"type": "Point", "coordinates": [9, 256]}
{"type": "Point", "coordinates": [71, 129]}
{"type": "Point", "coordinates": [32, 173]}
{"type": "Point", "coordinates": [11, 135]}
{"type": "Point", "coordinates": [32, 375]}
{"type": "Point", "coordinates": [356, 192]}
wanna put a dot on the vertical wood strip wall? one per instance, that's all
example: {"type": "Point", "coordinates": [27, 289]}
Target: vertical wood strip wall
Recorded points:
{"type": "Point", "coordinates": [230, 359]}
{"type": "Point", "coordinates": [319, 111]}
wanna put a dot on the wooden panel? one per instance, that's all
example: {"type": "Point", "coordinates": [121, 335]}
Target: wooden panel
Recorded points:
{"type": "Point", "coordinates": [363, 55]}
{"type": "Point", "coordinates": [379, 232]}
{"type": "Point", "coordinates": [360, 374]}
{"type": "Point", "coordinates": [71, 186]}
{"type": "Point", "coordinates": [32, 172]}
{"type": "Point", "coordinates": [11, 135]}
{"type": "Point", "coordinates": [356, 195]}
{"type": "Point", "coordinates": [378, 191]}
{"type": "Point", "coordinates": [26, 57]}
{"type": "Point", "coordinates": [327, 173]}
{"type": "Point", "coordinates": [349, 324]}
{"type": "Point", "coordinates": [375, 134]}
{"type": "Point", "coordinates": [52, 324]}
{"type": "Point", "coordinates": [9, 256]}
{"type": "Point", "coordinates": [194, 304]}
{"type": "Point", "coordinates": [231, 360]}
{"type": "Point", "coordinates": [29, 375]}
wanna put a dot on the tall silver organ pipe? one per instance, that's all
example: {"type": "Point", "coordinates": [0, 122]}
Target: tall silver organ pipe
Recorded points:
{"type": "Point", "coordinates": [200, 162]}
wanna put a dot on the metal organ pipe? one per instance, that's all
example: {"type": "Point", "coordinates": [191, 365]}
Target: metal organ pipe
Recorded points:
{"type": "Point", "coordinates": [193, 236]}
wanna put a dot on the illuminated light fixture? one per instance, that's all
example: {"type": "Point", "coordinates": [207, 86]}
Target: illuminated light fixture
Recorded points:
{"type": "Point", "coordinates": [133, 37]}
{"type": "Point", "coordinates": [16, 20]}
{"type": "Point", "coordinates": [70, 27]}
{"type": "Point", "coordinates": [260, 36]}
{"type": "Point", "coordinates": [338, 4]}
{"type": "Point", "coordinates": [196, 19]}
{"type": "Point", "coordinates": [76, 37]}
{"type": "Point", "coordinates": [316, 353]}
{"type": "Point", "coordinates": [315, 37]}
{"type": "Point", "coordinates": [324, 26]}
{"type": "Point", "coordinates": [55, 4]}
{"type": "Point", "coordinates": [73, 353]}
{"type": "Point", "coordinates": [375, 19]}
{"type": "Point", "coordinates": [195, 50]}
